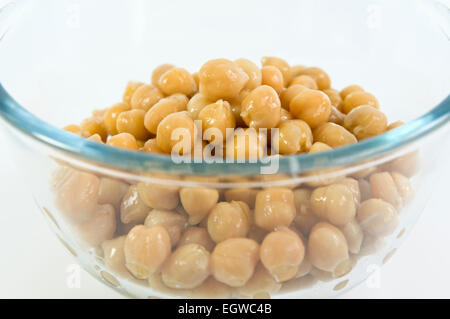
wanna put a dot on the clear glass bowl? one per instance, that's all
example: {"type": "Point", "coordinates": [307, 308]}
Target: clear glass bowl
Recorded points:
{"type": "Point", "coordinates": [60, 60]}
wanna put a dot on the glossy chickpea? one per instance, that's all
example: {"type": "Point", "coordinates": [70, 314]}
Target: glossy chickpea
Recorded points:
{"type": "Point", "coordinates": [253, 72]}
{"type": "Point", "coordinates": [92, 126]}
{"type": "Point", "coordinates": [111, 191]}
{"type": "Point", "coordinates": [353, 185]}
{"type": "Point", "coordinates": [350, 89]}
{"type": "Point", "coordinates": [133, 210]}
{"type": "Point", "coordinates": [99, 228]}
{"type": "Point", "coordinates": [336, 116]}
{"type": "Point", "coordinates": [313, 107]}
{"type": "Point", "coordinates": [354, 235]}
{"type": "Point", "coordinates": [123, 140]}
{"type": "Point", "coordinates": [320, 76]}
{"type": "Point", "coordinates": [166, 129]}
{"type": "Point", "coordinates": [287, 95]}
{"type": "Point", "coordinates": [114, 256]}
{"type": "Point", "coordinates": [173, 222]}
{"type": "Point", "coordinates": [274, 207]}
{"type": "Point", "coordinates": [95, 138]}
{"type": "Point", "coordinates": [197, 235]}
{"type": "Point", "coordinates": [377, 217]}
{"type": "Point", "coordinates": [295, 136]}
{"type": "Point", "coordinates": [221, 79]}
{"type": "Point", "coordinates": [146, 249]}
{"type": "Point", "coordinates": [297, 69]}
{"type": "Point", "coordinates": [281, 65]}
{"type": "Point", "coordinates": [159, 196]}
{"type": "Point", "coordinates": [306, 81]}
{"type": "Point", "coordinates": [198, 202]}
{"type": "Point", "coordinates": [196, 104]}
{"type": "Point", "coordinates": [272, 77]}
{"type": "Point", "coordinates": [261, 282]}
{"type": "Point", "coordinates": [285, 115]}
{"type": "Point", "coordinates": [229, 220]}
{"type": "Point", "coordinates": [305, 219]}
{"type": "Point", "coordinates": [111, 115]}
{"type": "Point", "coordinates": [217, 116]}
{"type": "Point", "coordinates": [158, 73]}
{"type": "Point", "coordinates": [233, 261]}
{"type": "Point", "coordinates": [177, 80]}
{"type": "Point", "coordinates": [403, 187]}
{"type": "Point", "coordinates": [359, 98]}
{"type": "Point", "coordinates": [382, 186]}
{"type": "Point", "coordinates": [151, 146]}
{"type": "Point", "coordinates": [333, 135]}
{"type": "Point", "coordinates": [246, 144]}
{"type": "Point", "coordinates": [261, 108]}
{"type": "Point", "coordinates": [365, 121]}
{"type": "Point", "coordinates": [131, 88]}
{"type": "Point", "coordinates": [281, 253]}
{"type": "Point", "coordinates": [172, 104]}
{"type": "Point", "coordinates": [132, 122]}
{"type": "Point", "coordinates": [246, 195]}
{"type": "Point", "coordinates": [145, 97]}
{"type": "Point", "coordinates": [335, 98]}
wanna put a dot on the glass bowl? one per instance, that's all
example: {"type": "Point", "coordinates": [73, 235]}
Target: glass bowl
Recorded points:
{"type": "Point", "coordinates": [61, 59]}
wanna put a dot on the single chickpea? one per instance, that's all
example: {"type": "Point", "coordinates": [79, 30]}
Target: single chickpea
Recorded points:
{"type": "Point", "coordinates": [281, 64]}
{"type": "Point", "coordinates": [313, 107]}
{"type": "Point", "coordinates": [333, 135]}
{"type": "Point", "coordinates": [123, 140]}
{"type": "Point", "coordinates": [187, 267]}
{"type": "Point", "coordinates": [394, 125]}
{"type": "Point", "coordinates": [306, 81]}
{"type": "Point", "coordinates": [151, 146]}
{"type": "Point", "coordinates": [172, 104]}
{"type": "Point", "coordinates": [253, 72]}
{"type": "Point", "coordinates": [217, 116]}
{"type": "Point", "coordinates": [282, 252]}
{"type": "Point", "coordinates": [336, 116]}
{"type": "Point", "coordinates": [353, 185]}
{"type": "Point", "coordinates": [246, 144]}
{"type": "Point", "coordinates": [198, 202]}
{"type": "Point", "coordinates": [354, 236]}
{"type": "Point", "coordinates": [382, 186]}
{"type": "Point", "coordinates": [166, 136]}
{"type": "Point", "coordinates": [95, 138]}
{"type": "Point", "coordinates": [364, 187]}
{"type": "Point", "coordinates": [403, 187]}
{"type": "Point", "coordinates": [261, 108]}
{"type": "Point", "coordinates": [229, 220]}
{"type": "Point", "coordinates": [92, 126]}
{"type": "Point", "coordinates": [272, 77]}
{"type": "Point", "coordinates": [320, 76]}
{"type": "Point", "coordinates": [318, 147]}
{"type": "Point", "coordinates": [406, 165]}
{"type": "Point", "coordinates": [274, 207]}
{"type": "Point", "coordinates": [261, 282]}
{"type": "Point", "coordinates": [114, 256]}
{"type": "Point", "coordinates": [246, 195]}
{"type": "Point", "coordinates": [359, 98]}
{"type": "Point", "coordinates": [145, 97]}
{"type": "Point", "coordinates": [173, 222]}
{"type": "Point", "coordinates": [133, 210]}
{"type": "Point", "coordinates": [335, 98]}
{"type": "Point", "coordinates": [287, 95]}
{"type": "Point", "coordinates": [285, 115]}
{"type": "Point", "coordinates": [377, 217]}
{"type": "Point", "coordinates": [211, 289]}
{"type": "Point", "coordinates": [132, 122]}
{"type": "Point", "coordinates": [111, 115]}
{"type": "Point", "coordinates": [365, 121]}
{"type": "Point", "coordinates": [158, 72]}
{"type": "Point", "coordinates": [350, 89]}
{"type": "Point", "coordinates": [305, 219]}
{"type": "Point", "coordinates": [297, 69]}
{"type": "Point", "coordinates": [197, 235]}
{"type": "Point", "coordinates": [327, 249]}
{"type": "Point", "coordinates": [99, 228]}
{"type": "Point", "coordinates": [334, 203]}
{"type": "Point", "coordinates": [177, 80]}
{"type": "Point", "coordinates": [111, 191]}
{"type": "Point", "coordinates": [196, 104]}
{"type": "Point", "coordinates": [131, 88]}
{"type": "Point", "coordinates": [72, 128]}
{"type": "Point", "coordinates": [146, 249]}
{"type": "Point", "coordinates": [233, 261]}
{"type": "Point", "coordinates": [221, 79]}
{"type": "Point", "coordinates": [295, 136]}
{"type": "Point", "coordinates": [159, 196]}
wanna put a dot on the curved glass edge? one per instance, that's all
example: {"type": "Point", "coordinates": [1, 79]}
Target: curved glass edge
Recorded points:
{"type": "Point", "coordinates": [32, 126]}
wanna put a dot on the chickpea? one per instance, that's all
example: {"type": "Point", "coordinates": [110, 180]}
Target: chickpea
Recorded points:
{"type": "Point", "coordinates": [377, 217]}
{"type": "Point", "coordinates": [173, 222]}
{"type": "Point", "coordinates": [274, 207]}
{"type": "Point", "coordinates": [111, 115]}
{"type": "Point", "coordinates": [158, 72]}
{"type": "Point", "coordinates": [159, 196]}
{"type": "Point", "coordinates": [297, 69]}
{"type": "Point", "coordinates": [196, 79]}
{"type": "Point", "coordinates": [233, 261]}
{"type": "Point", "coordinates": [272, 77]}
{"type": "Point", "coordinates": [246, 144]}
{"type": "Point", "coordinates": [334, 203]}
{"type": "Point", "coordinates": [211, 289]}
{"type": "Point", "coordinates": [221, 79]}
{"type": "Point", "coordinates": [133, 210]}
{"type": "Point", "coordinates": [114, 256]}
{"type": "Point", "coordinates": [95, 138]}
{"type": "Point", "coordinates": [123, 140]}
{"type": "Point", "coordinates": [336, 116]}
{"type": "Point", "coordinates": [145, 97]}
{"type": "Point", "coordinates": [281, 65]}
{"type": "Point", "coordinates": [166, 129]}
{"type": "Point", "coordinates": [327, 249]}
{"type": "Point", "coordinates": [305, 219]}
{"type": "Point", "coordinates": [92, 126]}
{"type": "Point", "coordinates": [350, 89]}
{"type": "Point", "coordinates": [364, 187]}
{"type": "Point", "coordinates": [229, 220]}
{"type": "Point", "coordinates": [131, 88]}
{"type": "Point", "coordinates": [282, 252]}
{"type": "Point", "coordinates": [359, 98]}
{"type": "Point", "coordinates": [335, 98]}
{"type": "Point", "coordinates": [151, 146]}
{"type": "Point", "coordinates": [320, 76]}
{"type": "Point", "coordinates": [246, 195]}
{"type": "Point", "coordinates": [218, 116]}
{"type": "Point", "coordinates": [313, 107]}
{"type": "Point", "coordinates": [365, 172]}
{"type": "Point", "coordinates": [196, 104]}
{"type": "Point", "coordinates": [382, 186]}
{"type": "Point", "coordinates": [99, 228]}
{"type": "Point", "coordinates": [146, 249]}
{"type": "Point", "coordinates": [295, 136]}
{"type": "Point", "coordinates": [198, 202]}
{"type": "Point", "coordinates": [394, 125]}
{"type": "Point", "coordinates": [403, 187]}
{"type": "Point", "coordinates": [177, 80]}
{"type": "Point", "coordinates": [353, 235]}
{"type": "Point", "coordinates": [261, 282]}
{"type": "Point", "coordinates": [306, 81]}
{"type": "Point", "coordinates": [285, 115]}
{"type": "Point", "coordinates": [287, 95]}
{"type": "Point", "coordinates": [365, 121]}
{"type": "Point", "coordinates": [353, 185]}
{"type": "Point", "coordinates": [333, 135]}
{"type": "Point", "coordinates": [132, 122]}
{"type": "Point", "coordinates": [406, 165]}
{"type": "Point", "coordinates": [236, 107]}
{"type": "Point", "coordinates": [261, 108]}
{"type": "Point", "coordinates": [72, 128]}
{"type": "Point", "coordinates": [197, 235]}
{"type": "Point", "coordinates": [318, 147]}
{"type": "Point", "coordinates": [253, 72]}
{"type": "Point", "coordinates": [187, 267]}
{"type": "Point", "coordinates": [111, 191]}
{"type": "Point", "coordinates": [172, 104]}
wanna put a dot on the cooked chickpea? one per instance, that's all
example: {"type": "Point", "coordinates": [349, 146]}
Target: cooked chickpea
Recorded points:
{"type": "Point", "coordinates": [261, 108]}
{"type": "Point", "coordinates": [72, 128]}
{"type": "Point", "coordinates": [364, 187]}
{"type": "Point", "coordinates": [274, 207]}
{"type": "Point", "coordinates": [92, 126]}
{"type": "Point", "coordinates": [221, 79]}
{"type": "Point", "coordinates": [159, 196]}
{"type": "Point", "coordinates": [406, 165]}
{"type": "Point", "coordinates": [145, 97]}
{"type": "Point", "coordinates": [287, 95]}
{"type": "Point", "coordinates": [123, 140]}
{"type": "Point", "coordinates": [114, 256]}
{"type": "Point", "coordinates": [272, 77]}
{"type": "Point", "coordinates": [377, 217]}
{"type": "Point", "coordinates": [335, 98]}
{"type": "Point", "coordinates": [282, 252]}
{"type": "Point", "coordinates": [295, 136]}
{"type": "Point", "coordinates": [159, 71]}
{"type": "Point", "coordinates": [146, 249]}
{"type": "Point", "coordinates": [111, 115]}
{"type": "Point", "coordinates": [365, 121]}
{"type": "Point", "coordinates": [281, 65]}
{"type": "Point", "coordinates": [111, 191]}
{"type": "Point", "coordinates": [313, 107]}
{"type": "Point", "coordinates": [318, 147]}
{"type": "Point", "coordinates": [211, 289]}
{"type": "Point", "coordinates": [285, 115]}
{"type": "Point", "coordinates": [350, 89]}
{"type": "Point", "coordinates": [198, 202]}
{"type": "Point", "coordinates": [95, 138]}
{"type": "Point", "coordinates": [305, 219]}
{"type": "Point", "coordinates": [246, 144]}
{"type": "Point", "coordinates": [306, 81]}
{"type": "Point", "coordinates": [99, 228]}
{"type": "Point", "coordinates": [334, 203]}
{"type": "Point", "coordinates": [196, 104]}
{"type": "Point", "coordinates": [246, 195]}
{"type": "Point", "coordinates": [217, 116]}
{"type": "Point", "coordinates": [233, 261]}
{"type": "Point", "coordinates": [320, 76]}
{"type": "Point", "coordinates": [172, 104]}
{"type": "Point", "coordinates": [382, 186]}
{"type": "Point", "coordinates": [394, 125]}
{"type": "Point", "coordinates": [297, 69]}
{"type": "Point", "coordinates": [131, 88]}
{"type": "Point", "coordinates": [353, 185]}
{"type": "Point", "coordinates": [187, 267]}
{"type": "Point", "coordinates": [133, 210]}
{"type": "Point", "coordinates": [253, 72]}
{"type": "Point", "coordinates": [336, 116]}
{"type": "Point", "coordinates": [168, 126]}
{"type": "Point", "coordinates": [197, 235]}
{"type": "Point", "coordinates": [354, 235]}
{"type": "Point", "coordinates": [261, 282]}
{"type": "Point", "coordinates": [132, 122]}
{"type": "Point", "coordinates": [151, 146]}
{"type": "Point", "coordinates": [177, 80]}
{"type": "Point", "coordinates": [173, 222]}
{"type": "Point", "coordinates": [229, 220]}
{"type": "Point", "coordinates": [359, 98]}
{"type": "Point", "coordinates": [333, 135]}
{"type": "Point", "coordinates": [403, 187]}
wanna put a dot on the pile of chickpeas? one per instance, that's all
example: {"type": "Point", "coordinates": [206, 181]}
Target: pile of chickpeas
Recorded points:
{"type": "Point", "coordinates": [243, 241]}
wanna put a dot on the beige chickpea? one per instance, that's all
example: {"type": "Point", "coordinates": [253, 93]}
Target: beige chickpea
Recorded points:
{"type": "Point", "coordinates": [334, 203]}
{"type": "Point", "coordinates": [318, 147]}
{"type": "Point", "coordinates": [221, 79]}
{"type": "Point", "coordinates": [359, 98]}
{"type": "Point", "coordinates": [327, 249]}
{"type": "Point", "coordinates": [246, 144]}
{"type": "Point", "coordinates": [211, 289]}
{"type": "Point", "coordinates": [406, 165]}
{"type": "Point", "coordinates": [151, 146]}
{"type": "Point", "coordinates": [261, 282]}
{"type": "Point", "coordinates": [92, 126]}
{"type": "Point", "coordinates": [172, 104]}
{"type": "Point", "coordinates": [305, 219]}
{"type": "Point", "coordinates": [111, 115]}
{"type": "Point", "coordinates": [354, 235]}
{"type": "Point", "coordinates": [132, 122]}
{"type": "Point", "coordinates": [281, 65]}
{"type": "Point", "coordinates": [198, 202]}
{"type": "Point", "coordinates": [382, 186]}
{"type": "Point", "coordinates": [114, 255]}
{"type": "Point", "coordinates": [177, 80]}
{"type": "Point", "coordinates": [246, 195]}
{"type": "Point", "coordinates": [217, 116]}
{"type": "Point", "coordinates": [187, 267]}
{"type": "Point", "coordinates": [145, 97]}
{"type": "Point", "coordinates": [233, 261]}
{"type": "Point", "coordinates": [196, 104]}
{"type": "Point", "coordinates": [272, 77]}
{"type": "Point", "coordinates": [394, 125]}
{"type": "Point", "coordinates": [306, 81]}
{"type": "Point", "coordinates": [146, 249]}
{"type": "Point", "coordinates": [364, 187]}
{"type": "Point", "coordinates": [123, 140]}
{"type": "Point", "coordinates": [333, 135]}
{"type": "Point", "coordinates": [99, 228]}
{"type": "Point", "coordinates": [158, 73]}
{"type": "Point", "coordinates": [313, 107]}
{"type": "Point", "coordinates": [403, 187]}
{"type": "Point", "coordinates": [261, 108]}
{"type": "Point", "coordinates": [335, 98]}
{"type": "Point", "coordinates": [287, 95]}
{"type": "Point", "coordinates": [111, 191]}
{"type": "Point", "coordinates": [320, 76]}
{"type": "Point", "coordinates": [377, 217]}
{"type": "Point", "coordinates": [274, 207]}
{"type": "Point", "coordinates": [159, 196]}
{"type": "Point", "coordinates": [95, 138]}
{"type": "Point", "coordinates": [133, 210]}
{"type": "Point", "coordinates": [350, 89]}
{"type": "Point", "coordinates": [295, 136]}
{"type": "Point", "coordinates": [336, 116]}
{"type": "Point", "coordinates": [297, 69]}
{"type": "Point", "coordinates": [168, 126]}
{"type": "Point", "coordinates": [365, 121]}
{"type": "Point", "coordinates": [282, 252]}
{"type": "Point", "coordinates": [197, 235]}
{"type": "Point", "coordinates": [253, 72]}
{"type": "Point", "coordinates": [131, 88]}
{"type": "Point", "coordinates": [229, 220]}
{"type": "Point", "coordinates": [285, 115]}
{"type": "Point", "coordinates": [173, 222]}
{"type": "Point", "coordinates": [353, 185]}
